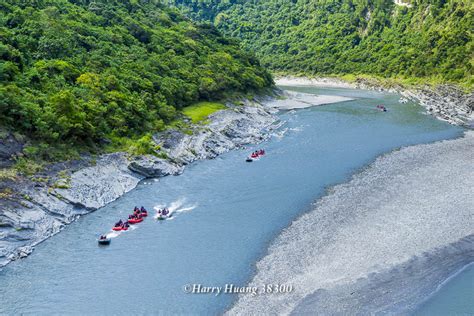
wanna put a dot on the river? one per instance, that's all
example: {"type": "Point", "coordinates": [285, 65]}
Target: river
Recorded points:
{"type": "Point", "coordinates": [226, 214]}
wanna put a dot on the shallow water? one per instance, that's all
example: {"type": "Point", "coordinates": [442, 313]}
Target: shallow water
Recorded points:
{"type": "Point", "coordinates": [227, 212]}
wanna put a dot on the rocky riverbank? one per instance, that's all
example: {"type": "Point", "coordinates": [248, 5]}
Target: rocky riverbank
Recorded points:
{"type": "Point", "coordinates": [37, 207]}
{"type": "Point", "coordinates": [446, 102]}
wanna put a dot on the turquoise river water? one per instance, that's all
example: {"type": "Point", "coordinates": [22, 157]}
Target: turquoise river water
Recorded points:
{"type": "Point", "coordinates": [226, 213]}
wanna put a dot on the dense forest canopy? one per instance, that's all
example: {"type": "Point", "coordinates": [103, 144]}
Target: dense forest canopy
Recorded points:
{"type": "Point", "coordinates": [430, 39]}
{"type": "Point", "coordinates": [80, 72]}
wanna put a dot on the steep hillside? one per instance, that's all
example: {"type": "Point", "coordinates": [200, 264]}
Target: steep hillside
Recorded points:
{"type": "Point", "coordinates": [79, 73]}
{"type": "Point", "coordinates": [427, 39]}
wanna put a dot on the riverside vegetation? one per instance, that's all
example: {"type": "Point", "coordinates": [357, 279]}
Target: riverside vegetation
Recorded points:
{"type": "Point", "coordinates": [92, 75]}
{"type": "Point", "coordinates": [423, 41]}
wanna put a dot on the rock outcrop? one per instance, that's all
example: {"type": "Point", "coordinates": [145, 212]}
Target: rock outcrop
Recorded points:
{"type": "Point", "coordinates": [33, 209]}
{"type": "Point", "coordinates": [152, 167]}
{"type": "Point", "coordinates": [445, 102]}
{"type": "Point", "coordinates": [95, 186]}
{"type": "Point", "coordinates": [229, 129]}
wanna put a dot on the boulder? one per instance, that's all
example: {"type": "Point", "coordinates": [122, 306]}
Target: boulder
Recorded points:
{"type": "Point", "coordinates": [150, 166]}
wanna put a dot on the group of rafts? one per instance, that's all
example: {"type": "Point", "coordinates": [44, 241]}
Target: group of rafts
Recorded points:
{"type": "Point", "coordinates": [140, 213]}
{"type": "Point", "coordinates": [137, 217]}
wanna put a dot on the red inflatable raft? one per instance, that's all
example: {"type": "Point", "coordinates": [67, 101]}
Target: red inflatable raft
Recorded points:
{"type": "Point", "coordinates": [119, 228]}
{"type": "Point", "coordinates": [135, 220]}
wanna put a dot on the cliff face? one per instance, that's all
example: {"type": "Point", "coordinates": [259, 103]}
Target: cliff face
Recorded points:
{"type": "Point", "coordinates": [35, 208]}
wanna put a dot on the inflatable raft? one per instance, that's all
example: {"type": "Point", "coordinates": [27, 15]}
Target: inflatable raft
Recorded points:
{"type": "Point", "coordinates": [105, 241]}
{"type": "Point", "coordinates": [135, 220]}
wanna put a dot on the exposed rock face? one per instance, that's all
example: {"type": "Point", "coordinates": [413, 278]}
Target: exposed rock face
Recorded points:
{"type": "Point", "coordinates": [151, 167]}
{"type": "Point", "coordinates": [95, 186]}
{"type": "Point", "coordinates": [447, 103]}
{"type": "Point", "coordinates": [32, 210]}
{"type": "Point", "coordinates": [227, 130]}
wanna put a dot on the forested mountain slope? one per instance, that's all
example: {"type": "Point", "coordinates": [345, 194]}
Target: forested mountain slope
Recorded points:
{"type": "Point", "coordinates": [82, 72]}
{"type": "Point", "coordinates": [429, 39]}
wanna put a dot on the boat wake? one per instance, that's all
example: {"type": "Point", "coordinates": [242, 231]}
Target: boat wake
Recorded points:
{"type": "Point", "coordinates": [113, 234]}
{"type": "Point", "coordinates": [175, 207]}
{"type": "Point", "coordinates": [380, 243]}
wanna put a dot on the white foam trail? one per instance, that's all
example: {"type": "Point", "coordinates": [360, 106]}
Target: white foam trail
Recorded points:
{"type": "Point", "coordinates": [186, 209]}
{"type": "Point", "coordinates": [177, 206]}
{"type": "Point", "coordinates": [113, 234]}
{"type": "Point", "coordinates": [405, 205]}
